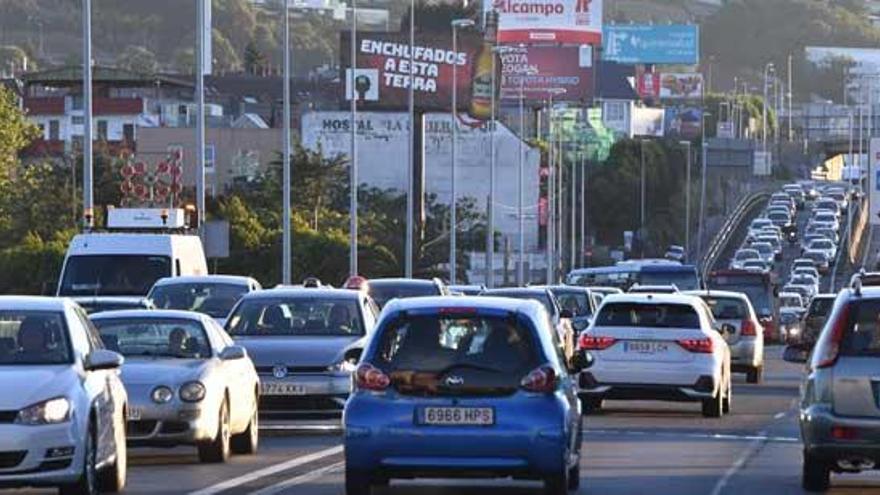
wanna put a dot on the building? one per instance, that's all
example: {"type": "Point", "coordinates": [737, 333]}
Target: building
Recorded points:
{"type": "Point", "coordinates": [617, 97]}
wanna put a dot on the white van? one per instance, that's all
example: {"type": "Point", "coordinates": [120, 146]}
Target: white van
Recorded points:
{"type": "Point", "coordinates": [117, 264]}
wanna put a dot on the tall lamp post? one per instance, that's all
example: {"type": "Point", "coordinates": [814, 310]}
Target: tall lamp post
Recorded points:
{"type": "Point", "coordinates": [88, 198]}
{"type": "Point", "coordinates": [286, 262]}
{"type": "Point", "coordinates": [410, 172]}
{"type": "Point", "coordinates": [453, 216]}
{"type": "Point", "coordinates": [353, 173]}
{"type": "Point", "coordinates": [687, 200]}
{"type": "Point", "coordinates": [767, 70]}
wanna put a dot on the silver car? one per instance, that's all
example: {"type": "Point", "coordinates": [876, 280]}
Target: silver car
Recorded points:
{"type": "Point", "coordinates": [839, 408]}
{"type": "Point", "coordinates": [305, 343]}
{"type": "Point", "coordinates": [62, 410]}
{"type": "Point", "coordinates": [188, 384]}
{"type": "Point", "coordinates": [213, 295]}
{"type": "Point", "coordinates": [746, 343]}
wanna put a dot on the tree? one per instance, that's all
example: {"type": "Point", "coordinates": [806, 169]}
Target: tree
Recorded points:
{"type": "Point", "coordinates": [255, 61]}
{"type": "Point", "coordinates": [185, 61]}
{"type": "Point", "coordinates": [14, 57]}
{"type": "Point", "coordinates": [226, 59]}
{"type": "Point", "coordinates": [138, 59]}
{"type": "Point", "coordinates": [16, 133]}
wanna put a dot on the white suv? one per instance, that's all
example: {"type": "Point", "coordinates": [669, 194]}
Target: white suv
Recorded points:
{"type": "Point", "coordinates": [657, 347]}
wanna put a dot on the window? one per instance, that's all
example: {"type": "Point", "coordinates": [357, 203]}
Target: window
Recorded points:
{"type": "Point", "coordinates": [77, 120]}
{"type": "Point", "coordinates": [297, 316]}
{"type": "Point", "coordinates": [181, 339]}
{"type": "Point", "coordinates": [648, 315]}
{"type": "Point", "coordinates": [615, 111]}
{"type": "Point", "coordinates": [91, 332]}
{"type": "Point", "coordinates": [113, 275]}
{"type": "Point", "coordinates": [54, 130]}
{"type": "Point", "coordinates": [33, 337]}
{"type": "Point", "coordinates": [128, 132]}
{"type": "Point", "coordinates": [209, 157]}
{"type": "Point", "coordinates": [214, 300]}
{"type": "Point", "coordinates": [102, 130]}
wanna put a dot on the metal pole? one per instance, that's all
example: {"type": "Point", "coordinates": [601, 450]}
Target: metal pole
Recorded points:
{"type": "Point", "coordinates": [790, 96]}
{"type": "Point", "coordinates": [550, 158]}
{"type": "Point", "coordinates": [642, 194]}
{"type": "Point", "coordinates": [353, 198]}
{"type": "Point", "coordinates": [410, 172]}
{"type": "Point", "coordinates": [286, 261]}
{"type": "Point", "coordinates": [583, 236]}
{"type": "Point", "coordinates": [88, 198]}
{"type": "Point", "coordinates": [572, 234]}
{"type": "Point", "coordinates": [687, 202]}
{"type": "Point", "coordinates": [520, 213]}
{"type": "Point", "coordinates": [490, 210]}
{"type": "Point", "coordinates": [558, 214]}
{"type": "Point", "coordinates": [702, 203]}
{"type": "Point", "coordinates": [200, 123]}
{"type": "Point", "coordinates": [453, 220]}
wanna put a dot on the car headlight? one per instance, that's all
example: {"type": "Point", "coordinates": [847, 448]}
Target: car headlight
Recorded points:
{"type": "Point", "coordinates": [50, 412]}
{"type": "Point", "coordinates": [192, 392]}
{"type": "Point", "coordinates": [344, 366]}
{"type": "Point", "coordinates": [162, 394]}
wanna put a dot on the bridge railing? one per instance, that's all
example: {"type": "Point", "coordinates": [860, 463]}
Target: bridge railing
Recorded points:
{"type": "Point", "coordinates": [729, 229]}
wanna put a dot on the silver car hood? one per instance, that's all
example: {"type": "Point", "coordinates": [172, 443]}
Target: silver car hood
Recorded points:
{"type": "Point", "coordinates": [23, 386]}
{"type": "Point", "coordinates": [296, 351]}
{"type": "Point", "coordinates": [148, 371]}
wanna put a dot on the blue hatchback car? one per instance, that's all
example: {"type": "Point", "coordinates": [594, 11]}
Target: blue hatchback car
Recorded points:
{"type": "Point", "coordinates": [463, 387]}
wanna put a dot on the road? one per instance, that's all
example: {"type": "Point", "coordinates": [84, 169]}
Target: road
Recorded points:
{"type": "Point", "coordinates": [629, 448]}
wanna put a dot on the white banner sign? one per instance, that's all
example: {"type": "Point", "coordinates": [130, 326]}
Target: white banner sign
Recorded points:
{"type": "Point", "coordinates": [553, 21]}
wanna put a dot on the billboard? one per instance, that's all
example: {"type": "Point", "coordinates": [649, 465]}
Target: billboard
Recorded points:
{"type": "Point", "coordinates": [675, 44]}
{"type": "Point", "coordinates": [541, 69]}
{"type": "Point", "coordinates": [648, 122]}
{"type": "Point", "coordinates": [548, 21]}
{"type": "Point", "coordinates": [683, 122]}
{"type": "Point", "coordinates": [686, 86]}
{"type": "Point", "coordinates": [648, 85]}
{"type": "Point", "coordinates": [381, 77]}
{"type": "Point", "coordinates": [874, 181]}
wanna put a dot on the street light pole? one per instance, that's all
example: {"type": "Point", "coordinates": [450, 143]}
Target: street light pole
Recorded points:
{"type": "Point", "coordinates": [767, 69]}
{"type": "Point", "coordinates": [687, 200]}
{"type": "Point", "coordinates": [453, 232]}
{"type": "Point", "coordinates": [286, 262]}
{"type": "Point", "coordinates": [550, 157]}
{"type": "Point", "coordinates": [353, 172]}
{"type": "Point", "coordinates": [642, 194]}
{"type": "Point", "coordinates": [490, 208]}
{"type": "Point", "coordinates": [410, 172]}
{"type": "Point", "coordinates": [520, 212]}
{"type": "Point", "coordinates": [88, 197]}
{"type": "Point", "coordinates": [705, 159]}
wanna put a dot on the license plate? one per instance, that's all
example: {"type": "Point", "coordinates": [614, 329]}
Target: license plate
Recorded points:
{"type": "Point", "coordinates": [135, 413]}
{"type": "Point", "coordinates": [645, 347]}
{"type": "Point", "coordinates": [458, 416]}
{"type": "Point", "coordinates": [271, 388]}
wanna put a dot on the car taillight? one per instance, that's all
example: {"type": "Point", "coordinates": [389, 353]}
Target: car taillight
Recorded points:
{"type": "Point", "coordinates": [748, 329]}
{"type": "Point", "coordinates": [595, 342]}
{"type": "Point", "coordinates": [831, 351]}
{"type": "Point", "coordinates": [702, 346]}
{"type": "Point", "coordinates": [540, 380]}
{"type": "Point", "coordinates": [371, 378]}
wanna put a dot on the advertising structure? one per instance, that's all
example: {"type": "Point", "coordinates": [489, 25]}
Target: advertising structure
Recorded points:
{"type": "Point", "coordinates": [648, 122]}
{"type": "Point", "coordinates": [683, 122]}
{"type": "Point", "coordinates": [874, 181]}
{"type": "Point", "coordinates": [648, 85]}
{"type": "Point", "coordinates": [381, 78]}
{"type": "Point", "coordinates": [545, 69]}
{"type": "Point", "coordinates": [675, 44]}
{"type": "Point", "coordinates": [688, 86]}
{"type": "Point", "coordinates": [548, 21]}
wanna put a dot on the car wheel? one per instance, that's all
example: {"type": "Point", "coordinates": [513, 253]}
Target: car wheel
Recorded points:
{"type": "Point", "coordinates": [113, 478]}
{"type": "Point", "coordinates": [248, 441]}
{"type": "Point", "coordinates": [755, 375]}
{"type": "Point", "coordinates": [816, 476]}
{"type": "Point", "coordinates": [217, 450]}
{"type": "Point", "coordinates": [87, 484]}
{"type": "Point", "coordinates": [357, 482]}
{"type": "Point", "coordinates": [713, 407]}
{"type": "Point", "coordinates": [558, 484]}
{"type": "Point", "coordinates": [574, 477]}
{"type": "Point", "coordinates": [728, 396]}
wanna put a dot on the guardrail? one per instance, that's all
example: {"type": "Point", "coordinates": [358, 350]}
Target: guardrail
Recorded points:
{"type": "Point", "coordinates": [722, 238]}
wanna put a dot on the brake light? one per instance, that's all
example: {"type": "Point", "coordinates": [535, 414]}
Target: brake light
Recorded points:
{"type": "Point", "coordinates": [588, 342]}
{"type": "Point", "coordinates": [456, 311]}
{"type": "Point", "coordinates": [541, 380]}
{"type": "Point", "coordinates": [748, 328]}
{"type": "Point", "coordinates": [844, 433]}
{"type": "Point", "coordinates": [371, 378]}
{"type": "Point", "coordinates": [832, 349]}
{"type": "Point", "coordinates": [701, 346]}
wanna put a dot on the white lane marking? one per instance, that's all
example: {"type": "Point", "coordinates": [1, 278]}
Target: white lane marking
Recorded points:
{"type": "Point", "coordinates": [779, 415]}
{"type": "Point", "coordinates": [747, 454]}
{"type": "Point", "coordinates": [701, 436]}
{"type": "Point", "coordinates": [269, 471]}
{"type": "Point", "coordinates": [299, 480]}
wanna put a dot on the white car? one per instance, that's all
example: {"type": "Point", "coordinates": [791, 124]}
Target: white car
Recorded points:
{"type": "Point", "coordinates": [63, 407]}
{"type": "Point", "coordinates": [765, 249]}
{"type": "Point", "coordinates": [657, 347]}
{"type": "Point", "coordinates": [825, 245]}
{"type": "Point", "coordinates": [806, 281]}
{"type": "Point", "coordinates": [808, 271]}
{"type": "Point", "coordinates": [758, 225]}
{"type": "Point", "coordinates": [791, 300]}
{"type": "Point", "coordinates": [758, 266]}
{"type": "Point", "coordinates": [213, 295]}
{"type": "Point", "coordinates": [742, 256]}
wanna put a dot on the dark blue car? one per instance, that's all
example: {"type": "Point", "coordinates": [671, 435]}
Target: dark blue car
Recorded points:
{"type": "Point", "coordinates": [463, 387]}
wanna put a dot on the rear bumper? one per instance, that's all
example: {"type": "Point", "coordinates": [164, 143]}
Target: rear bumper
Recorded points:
{"type": "Point", "coordinates": [704, 388]}
{"type": "Point", "coordinates": [817, 422]}
{"type": "Point", "coordinates": [745, 354]}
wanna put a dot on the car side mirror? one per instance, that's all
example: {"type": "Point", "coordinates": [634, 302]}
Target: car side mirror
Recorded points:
{"type": "Point", "coordinates": [233, 353]}
{"type": "Point", "coordinates": [581, 361]}
{"type": "Point", "coordinates": [797, 354]}
{"type": "Point", "coordinates": [103, 359]}
{"type": "Point", "coordinates": [566, 313]}
{"type": "Point", "coordinates": [581, 325]}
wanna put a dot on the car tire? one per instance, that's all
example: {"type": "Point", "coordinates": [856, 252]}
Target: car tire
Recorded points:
{"type": "Point", "coordinates": [248, 441]}
{"type": "Point", "coordinates": [755, 375]}
{"type": "Point", "coordinates": [112, 479]}
{"type": "Point", "coordinates": [217, 450]}
{"type": "Point", "coordinates": [816, 475]}
{"type": "Point", "coordinates": [714, 407]}
{"type": "Point", "coordinates": [728, 396]}
{"type": "Point", "coordinates": [357, 482]}
{"type": "Point", "coordinates": [557, 484]}
{"type": "Point", "coordinates": [87, 484]}
{"type": "Point", "coordinates": [574, 477]}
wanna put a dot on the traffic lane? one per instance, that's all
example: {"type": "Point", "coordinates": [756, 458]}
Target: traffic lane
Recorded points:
{"type": "Point", "coordinates": [629, 446]}
{"type": "Point", "coordinates": [178, 470]}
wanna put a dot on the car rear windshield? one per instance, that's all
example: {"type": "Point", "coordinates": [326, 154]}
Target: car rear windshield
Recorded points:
{"type": "Point", "coordinates": [382, 292]}
{"type": "Point", "coordinates": [747, 255]}
{"type": "Point", "coordinates": [727, 308]}
{"type": "Point", "coordinates": [33, 338]}
{"type": "Point", "coordinates": [296, 316]}
{"type": "Point", "coordinates": [542, 298]}
{"type": "Point", "coordinates": [155, 338]}
{"type": "Point", "coordinates": [651, 315]}
{"type": "Point", "coordinates": [820, 306]}
{"type": "Point", "coordinates": [576, 302]}
{"type": "Point", "coordinates": [213, 299]}
{"type": "Point", "coordinates": [474, 355]}
{"type": "Point", "coordinates": [862, 337]}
